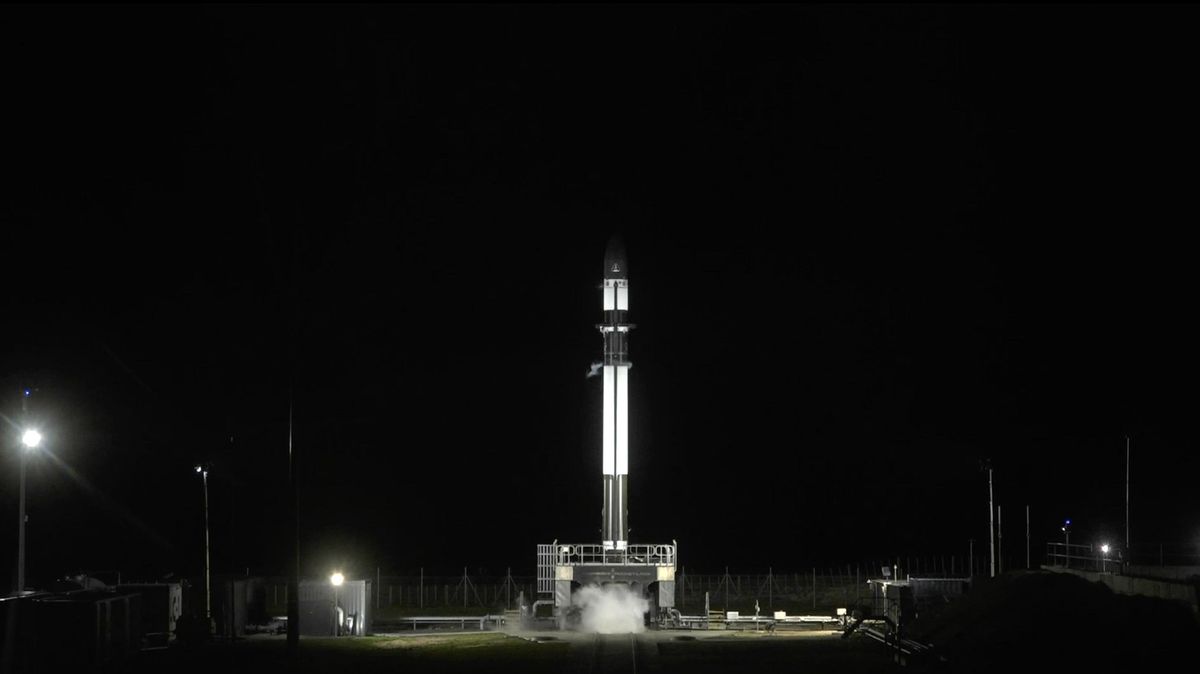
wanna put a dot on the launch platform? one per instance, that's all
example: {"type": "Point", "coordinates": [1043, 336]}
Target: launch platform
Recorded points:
{"type": "Point", "coordinates": [647, 570]}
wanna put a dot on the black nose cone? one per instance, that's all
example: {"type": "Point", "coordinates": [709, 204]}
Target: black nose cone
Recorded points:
{"type": "Point", "coordinates": [615, 265]}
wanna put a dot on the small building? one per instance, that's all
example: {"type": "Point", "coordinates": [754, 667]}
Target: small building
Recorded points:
{"type": "Point", "coordinates": [327, 611]}
{"type": "Point", "coordinates": [162, 605]}
{"type": "Point", "coordinates": [85, 629]}
{"type": "Point", "coordinates": [237, 602]}
{"type": "Point", "coordinates": [901, 600]}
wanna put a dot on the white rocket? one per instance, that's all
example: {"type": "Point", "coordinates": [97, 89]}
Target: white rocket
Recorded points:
{"type": "Point", "coordinates": [615, 436]}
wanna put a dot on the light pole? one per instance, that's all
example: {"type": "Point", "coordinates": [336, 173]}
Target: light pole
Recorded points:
{"type": "Point", "coordinates": [203, 470]}
{"type": "Point", "coordinates": [971, 558]}
{"type": "Point", "coordinates": [1067, 533]}
{"type": "Point", "coordinates": [1104, 560]}
{"type": "Point", "coordinates": [336, 581]}
{"type": "Point", "coordinates": [31, 438]}
{"type": "Point", "coordinates": [991, 526]}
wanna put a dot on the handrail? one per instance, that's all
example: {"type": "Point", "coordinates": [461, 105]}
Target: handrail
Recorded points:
{"type": "Point", "coordinates": [483, 621]}
{"type": "Point", "coordinates": [632, 555]}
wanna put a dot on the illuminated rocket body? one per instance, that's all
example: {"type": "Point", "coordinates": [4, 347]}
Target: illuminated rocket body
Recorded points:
{"type": "Point", "coordinates": [615, 436]}
{"type": "Point", "coordinates": [646, 570]}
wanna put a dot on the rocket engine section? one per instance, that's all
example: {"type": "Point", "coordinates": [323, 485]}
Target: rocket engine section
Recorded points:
{"type": "Point", "coordinates": [615, 436]}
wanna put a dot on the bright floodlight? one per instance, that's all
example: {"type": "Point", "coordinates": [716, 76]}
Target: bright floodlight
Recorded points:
{"type": "Point", "coordinates": [199, 468]}
{"type": "Point", "coordinates": [31, 438]}
{"type": "Point", "coordinates": [337, 579]}
{"type": "Point", "coordinates": [1104, 548]}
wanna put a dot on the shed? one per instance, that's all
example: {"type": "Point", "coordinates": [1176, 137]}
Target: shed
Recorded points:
{"type": "Point", "coordinates": [318, 617]}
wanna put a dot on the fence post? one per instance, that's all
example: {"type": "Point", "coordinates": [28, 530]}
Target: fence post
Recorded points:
{"type": "Point", "coordinates": [814, 586]}
{"type": "Point", "coordinates": [682, 586]}
{"type": "Point", "coordinates": [846, 586]}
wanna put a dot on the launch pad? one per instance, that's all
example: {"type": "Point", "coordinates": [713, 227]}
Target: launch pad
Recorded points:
{"type": "Point", "coordinates": [647, 571]}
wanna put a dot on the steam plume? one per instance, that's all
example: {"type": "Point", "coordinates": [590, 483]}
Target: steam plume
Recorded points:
{"type": "Point", "coordinates": [610, 609]}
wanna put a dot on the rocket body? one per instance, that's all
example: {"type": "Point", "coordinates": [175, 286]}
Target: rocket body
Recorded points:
{"type": "Point", "coordinates": [615, 435]}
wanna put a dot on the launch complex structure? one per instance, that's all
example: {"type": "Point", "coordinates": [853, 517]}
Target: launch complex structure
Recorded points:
{"type": "Point", "coordinates": [646, 569]}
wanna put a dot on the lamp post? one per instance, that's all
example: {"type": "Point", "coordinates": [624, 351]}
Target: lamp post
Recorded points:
{"type": "Point", "coordinates": [31, 438]}
{"type": "Point", "coordinates": [1067, 534]}
{"type": "Point", "coordinates": [1104, 559]}
{"type": "Point", "coordinates": [203, 470]}
{"type": "Point", "coordinates": [336, 581]}
{"type": "Point", "coordinates": [991, 526]}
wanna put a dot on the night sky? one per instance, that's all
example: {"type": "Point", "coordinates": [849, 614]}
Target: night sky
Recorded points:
{"type": "Point", "coordinates": [869, 247]}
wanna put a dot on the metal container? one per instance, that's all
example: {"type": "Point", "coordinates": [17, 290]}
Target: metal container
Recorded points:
{"type": "Point", "coordinates": [162, 605]}
{"type": "Point", "coordinates": [323, 607]}
{"type": "Point", "coordinates": [85, 629]}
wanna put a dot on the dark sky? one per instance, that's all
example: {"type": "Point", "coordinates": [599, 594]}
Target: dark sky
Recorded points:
{"type": "Point", "coordinates": [869, 247]}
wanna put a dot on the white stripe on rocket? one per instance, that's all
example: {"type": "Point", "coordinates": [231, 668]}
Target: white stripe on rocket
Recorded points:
{"type": "Point", "coordinates": [622, 421]}
{"type": "Point", "coordinates": [608, 435]}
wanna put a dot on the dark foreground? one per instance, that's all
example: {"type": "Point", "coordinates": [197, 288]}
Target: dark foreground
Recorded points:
{"type": "Point", "coordinates": [1037, 621]}
{"type": "Point", "coordinates": [495, 652]}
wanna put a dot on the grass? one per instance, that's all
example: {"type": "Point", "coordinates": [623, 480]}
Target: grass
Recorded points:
{"type": "Point", "coordinates": [774, 654]}
{"type": "Point", "coordinates": [458, 654]}
{"type": "Point", "coordinates": [475, 653]}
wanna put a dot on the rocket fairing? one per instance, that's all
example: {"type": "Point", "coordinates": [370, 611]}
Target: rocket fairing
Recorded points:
{"type": "Point", "coordinates": [615, 436]}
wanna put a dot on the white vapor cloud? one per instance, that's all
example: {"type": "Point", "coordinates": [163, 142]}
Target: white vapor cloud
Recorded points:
{"type": "Point", "coordinates": [610, 609]}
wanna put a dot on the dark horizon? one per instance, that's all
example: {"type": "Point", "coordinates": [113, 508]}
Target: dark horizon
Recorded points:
{"type": "Point", "coordinates": [869, 248]}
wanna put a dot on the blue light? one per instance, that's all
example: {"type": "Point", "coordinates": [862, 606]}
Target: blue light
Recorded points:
{"type": "Point", "coordinates": [26, 393]}
{"type": "Point", "coordinates": [1068, 521]}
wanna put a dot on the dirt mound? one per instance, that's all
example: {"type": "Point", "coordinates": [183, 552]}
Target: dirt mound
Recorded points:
{"type": "Point", "coordinates": [1049, 619]}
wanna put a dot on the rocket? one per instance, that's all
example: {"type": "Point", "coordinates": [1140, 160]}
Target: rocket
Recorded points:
{"type": "Point", "coordinates": [615, 435]}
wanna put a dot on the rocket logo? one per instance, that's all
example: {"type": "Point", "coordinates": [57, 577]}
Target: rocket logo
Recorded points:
{"type": "Point", "coordinates": [616, 268]}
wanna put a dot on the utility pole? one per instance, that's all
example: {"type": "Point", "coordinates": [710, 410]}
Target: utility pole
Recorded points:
{"type": "Point", "coordinates": [991, 525]}
{"type": "Point", "coordinates": [1128, 552]}
{"type": "Point", "coordinates": [1000, 538]}
{"type": "Point", "coordinates": [293, 597]}
{"type": "Point", "coordinates": [24, 450]}
{"type": "Point", "coordinates": [970, 558]}
{"type": "Point", "coordinates": [203, 470]}
{"type": "Point", "coordinates": [1026, 537]}
{"type": "Point", "coordinates": [1067, 544]}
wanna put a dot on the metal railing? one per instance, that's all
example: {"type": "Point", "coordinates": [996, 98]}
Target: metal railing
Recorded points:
{"type": "Point", "coordinates": [1083, 558]}
{"type": "Point", "coordinates": [633, 555]}
{"type": "Point", "coordinates": [482, 622]}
